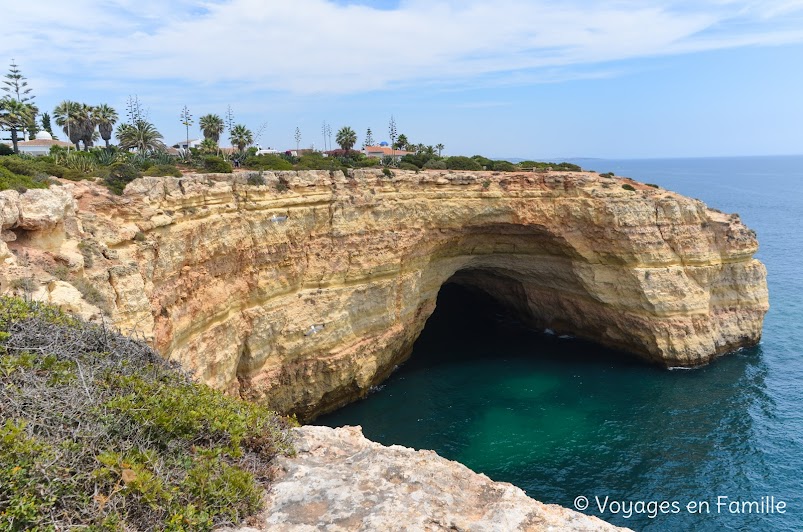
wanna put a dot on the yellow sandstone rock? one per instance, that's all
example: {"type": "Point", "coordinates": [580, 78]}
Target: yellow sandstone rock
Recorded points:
{"type": "Point", "coordinates": [306, 298]}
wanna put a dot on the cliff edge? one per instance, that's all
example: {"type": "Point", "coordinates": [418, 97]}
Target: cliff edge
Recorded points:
{"type": "Point", "coordinates": [307, 290]}
{"type": "Point", "coordinates": [341, 481]}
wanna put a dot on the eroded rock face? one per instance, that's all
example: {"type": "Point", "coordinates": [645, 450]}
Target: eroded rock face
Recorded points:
{"type": "Point", "coordinates": [340, 481]}
{"type": "Point", "coordinates": [306, 298]}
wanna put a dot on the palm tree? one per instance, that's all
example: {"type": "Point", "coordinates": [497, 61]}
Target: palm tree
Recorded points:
{"type": "Point", "coordinates": [68, 117]}
{"type": "Point", "coordinates": [14, 115]}
{"type": "Point", "coordinates": [346, 138]}
{"type": "Point", "coordinates": [87, 124]}
{"type": "Point", "coordinates": [402, 142]}
{"type": "Point", "coordinates": [241, 136]}
{"type": "Point", "coordinates": [105, 117]}
{"type": "Point", "coordinates": [211, 126]}
{"type": "Point", "coordinates": [208, 146]}
{"type": "Point", "coordinates": [440, 148]}
{"type": "Point", "coordinates": [141, 135]}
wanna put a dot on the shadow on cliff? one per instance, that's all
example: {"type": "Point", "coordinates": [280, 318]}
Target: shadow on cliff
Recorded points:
{"type": "Point", "coordinates": [468, 323]}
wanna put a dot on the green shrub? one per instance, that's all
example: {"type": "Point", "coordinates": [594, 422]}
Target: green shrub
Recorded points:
{"type": "Point", "coordinates": [88, 249]}
{"type": "Point", "coordinates": [26, 284]}
{"type": "Point", "coordinates": [418, 159]}
{"type": "Point", "coordinates": [459, 162]}
{"type": "Point", "coordinates": [101, 433]}
{"type": "Point", "coordinates": [367, 162]}
{"type": "Point", "coordinates": [607, 174]}
{"type": "Point", "coordinates": [17, 165]}
{"type": "Point", "coordinates": [215, 164]}
{"type": "Point", "coordinates": [316, 161]}
{"type": "Point", "coordinates": [653, 185]}
{"type": "Point", "coordinates": [51, 168]}
{"type": "Point", "coordinates": [503, 166]}
{"type": "Point", "coordinates": [268, 161]}
{"type": "Point", "coordinates": [74, 175]}
{"type": "Point", "coordinates": [163, 170]}
{"type": "Point", "coordinates": [434, 164]}
{"type": "Point", "coordinates": [555, 166]}
{"type": "Point", "coordinates": [90, 293]}
{"type": "Point", "coordinates": [120, 174]}
{"type": "Point", "coordinates": [387, 173]}
{"type": "Point", "coordinates": [486, 184]}
{"type": "Point", "coordinates": [629, 187]}
{"type": "Point", "coordinates": [12, 181]}
{"type": "Point", "coordinates": [408, 166]}
{"type": "Point", "coordinates": [5, 149]}
{"type": "Point", "coordinates": [282, 185]}
{"type": "Point", "coordinates": [40, 166]}
{"type": "Point", "coordinates": [484, 162]}
{"type": "Point", "coordinates": [256, 179]}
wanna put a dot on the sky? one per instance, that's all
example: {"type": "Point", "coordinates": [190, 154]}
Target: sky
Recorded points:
{"type": "Point", "coordinates": [509, 78]}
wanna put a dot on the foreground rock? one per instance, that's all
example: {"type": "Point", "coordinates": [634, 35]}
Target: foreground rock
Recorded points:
{"type": "Point", "coordinates": [340, 481]}
{"type": "Point", "coordinates": [308, 290]}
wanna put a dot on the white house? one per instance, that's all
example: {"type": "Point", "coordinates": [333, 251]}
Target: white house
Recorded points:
{"type": "Point", "coordinates": [193, 143]}
{"type": "Point", "coordinates": [385, 151]}
{"type": "Point", "coordinates": [41, 144]}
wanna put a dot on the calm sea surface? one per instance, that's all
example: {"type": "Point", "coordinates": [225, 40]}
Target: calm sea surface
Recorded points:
{"type": "Point", "coordinates": [561, 418]}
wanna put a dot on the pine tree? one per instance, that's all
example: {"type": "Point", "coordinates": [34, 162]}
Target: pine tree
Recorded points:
{"type": "Point", "coordinates": [369, 138]}
{"type": "Point", "coordinates": [16, 88]}
{"type": "Point", "coordinates": [46, 125]}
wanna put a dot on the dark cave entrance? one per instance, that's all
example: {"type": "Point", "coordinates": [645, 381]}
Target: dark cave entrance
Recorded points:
{"type": "Point", "coordinates": [483, 313]}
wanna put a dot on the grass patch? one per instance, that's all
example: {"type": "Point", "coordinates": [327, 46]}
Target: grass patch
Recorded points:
{"type": "Point", "coordinates": [256, 179]}
{"type": "Point", "coordinates": [99, 432]}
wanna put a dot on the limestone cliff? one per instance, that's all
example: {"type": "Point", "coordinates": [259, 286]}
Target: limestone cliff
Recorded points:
{"type": "Point", "coordinates": [308, 290]}
{"type": "Point", "coordinates": [340, 481]}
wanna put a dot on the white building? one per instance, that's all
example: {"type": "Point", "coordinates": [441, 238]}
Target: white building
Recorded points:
{"type": "Point", "coordinates": [41, 144]}
{"type": "Point", "coordinates": [193, 143]}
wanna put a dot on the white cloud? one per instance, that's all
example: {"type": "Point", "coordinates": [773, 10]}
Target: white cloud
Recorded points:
{"type": "Point", "coordinates": [310, 46]}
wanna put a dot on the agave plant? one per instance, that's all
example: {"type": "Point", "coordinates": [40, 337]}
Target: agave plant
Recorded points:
{"type": "Point", "coordinates": [162, 157]}
{"type": "Point", "coordinates": [105, 156]}
{"type": "Point", "coordinates": [80, 162]}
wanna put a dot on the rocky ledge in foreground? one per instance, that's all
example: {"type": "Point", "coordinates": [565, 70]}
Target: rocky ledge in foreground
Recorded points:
{"type": "Point", "coordinates": [341, 481]}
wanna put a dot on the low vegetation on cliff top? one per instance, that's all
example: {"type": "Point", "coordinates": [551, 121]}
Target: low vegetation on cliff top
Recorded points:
{"type": "Point", "coordinates": [98, 432]}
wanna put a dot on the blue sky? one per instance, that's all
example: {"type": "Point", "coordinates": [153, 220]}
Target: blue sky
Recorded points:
{"type": "Point", "coordinates": [509, 78]}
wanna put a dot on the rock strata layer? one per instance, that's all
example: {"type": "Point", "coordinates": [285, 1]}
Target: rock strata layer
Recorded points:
{"type": "Point", "coordinates": [340, 481]}
{"type": "Point", "coordinates": [308, 290]}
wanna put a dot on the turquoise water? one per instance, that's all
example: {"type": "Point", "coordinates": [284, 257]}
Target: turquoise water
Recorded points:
{"type": "Point", "coordinates": [562, 418]}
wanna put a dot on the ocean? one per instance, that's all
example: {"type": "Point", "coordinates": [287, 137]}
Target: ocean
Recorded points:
{"type": "Point", "coordinates": [714, 448]}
